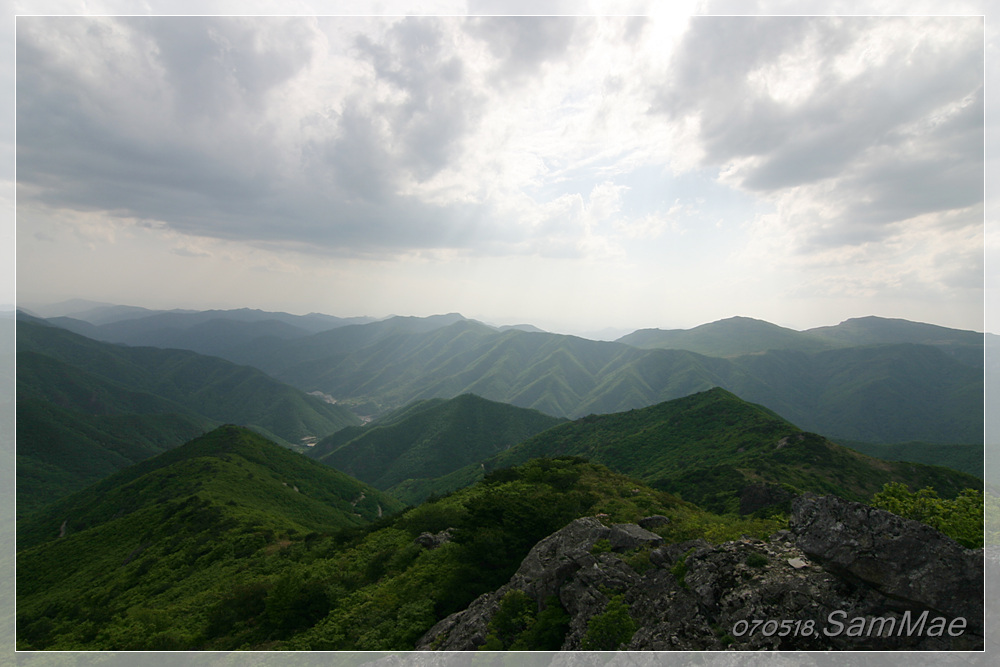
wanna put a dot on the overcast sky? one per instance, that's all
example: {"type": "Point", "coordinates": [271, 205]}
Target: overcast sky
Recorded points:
{"type": "Point", "coordinates": [576, 173]}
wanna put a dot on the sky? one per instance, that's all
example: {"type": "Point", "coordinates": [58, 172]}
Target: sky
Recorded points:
{"type": "Point", "coordinates": [579, 173]}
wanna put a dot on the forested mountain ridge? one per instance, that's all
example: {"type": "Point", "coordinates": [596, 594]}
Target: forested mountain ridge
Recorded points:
{"type": "Point", "coordinates": [731, 337]}
{"type": "Point", "coordinates": [135, 560]}
{"type": "Point", "coordinates": [231, 542]}
{"type": "Point", "coordinates": [429, 439]}
{"type": "Point", "coordinates": [212, 546]}
{"type": "Point", "coordinates": [205, 385]}
{"type": "Point", "coordinates": [86, 408]}
{"type": "Point", "coordinates": [907, 382]}
{"type": "Point", "coordinates": [229, 463]}
{"type": "Point", "coordinates": [875, 393]}
{"type": "Point", "coordinates": [738, 336]}
{"type": "Point", "coordinates": [721, 453]}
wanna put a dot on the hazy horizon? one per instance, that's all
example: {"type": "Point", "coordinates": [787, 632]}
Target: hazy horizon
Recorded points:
{"type": "Point", "coordinates": [608, 332]}
{"type": "Point", "coordinates": [574, 173]}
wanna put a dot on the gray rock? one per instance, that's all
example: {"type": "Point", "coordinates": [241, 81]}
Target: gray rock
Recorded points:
{"type": "Point", "coordinates": [653, 521]}
{"type": "Point", "coordinates": [433, 541]}
{"type": "Point", "coordinates": [782, 536]}
{"type": "Point", "coordinates": [904, 560]}
{"type": "Point", "coordinates": [543, 572]}
{"type": "Point", "coordinates": [867, 571]}
{"type": "Point", "coordinates": [628, 536]}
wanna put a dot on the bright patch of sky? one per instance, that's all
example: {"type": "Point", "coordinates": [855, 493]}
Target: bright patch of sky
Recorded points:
{"type": "Point", "coordinates": [577, 173]}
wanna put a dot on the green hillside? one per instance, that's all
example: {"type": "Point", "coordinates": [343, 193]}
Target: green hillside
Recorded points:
{"type": "Point", "coordinates": [228, 466]}
{"type": "Point", "coordinates": [884, 393]}
{"type": "Point", "coordinates": [60, 451]}
{"type": "Point", "coordinates": [86, 409]}
{"type": "Point", "coordinates": [878, 393]}
{"type": "Point", "coordinates": [429, 439]}
{"type": "Point", "coordinates": [180, 553]}
{"type": "Point", "coordinates": [964, 458]}
{"type": "Point", "coordinates": [74, 428]}
{"type": "Point", "coordinates": [719, 452]}
{"type": "Point", "coordinates": [208, 386]}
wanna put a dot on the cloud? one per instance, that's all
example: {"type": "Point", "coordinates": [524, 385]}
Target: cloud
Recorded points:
{"type": "Point", "coordinates": [521, 45]}
{"type": "Point", "coordinates": [497, 135]}
{"type": "Point", "coordinates": [349, 137]}
{"type": "Point", "coordinates": [850, 126]}
{"type": "Point", "coordinates": [429, 104]}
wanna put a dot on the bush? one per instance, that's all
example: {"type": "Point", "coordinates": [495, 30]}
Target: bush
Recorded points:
{"type": "Point", "coordinates": [516, 614]}
{"type": "Point", "coordinates": [961, 518]}
{"type": "Point", "coordinates": [517, 626]}
{"type": "Point", "coordinates": [610, 629]}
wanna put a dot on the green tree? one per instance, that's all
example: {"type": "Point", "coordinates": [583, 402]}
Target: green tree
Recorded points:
{"type": "Point", "coordinates": [960, 518]}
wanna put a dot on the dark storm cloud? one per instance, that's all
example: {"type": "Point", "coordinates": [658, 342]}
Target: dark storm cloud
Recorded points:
{"type": "Point", "coordinates": [900, 138]}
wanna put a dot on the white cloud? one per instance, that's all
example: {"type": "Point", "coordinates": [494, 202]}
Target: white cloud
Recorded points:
{"type": "Point", "coordinates": [853, 146]}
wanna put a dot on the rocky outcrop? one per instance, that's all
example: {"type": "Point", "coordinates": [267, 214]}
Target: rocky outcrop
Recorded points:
{"type": "Point", "coordinates": [844, 576]}
{"type": "Point", "coordinates": [433, 540]}
{"type": "Point", "coordinates": [904, 560]}
{"type": "Point", "coordinates": [547, 568]}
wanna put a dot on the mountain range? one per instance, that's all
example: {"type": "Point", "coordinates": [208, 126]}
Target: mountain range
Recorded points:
{"type": "Point", "coordinates": [181, 499]}
{"type": "Point", "coordinates": [87, 408]}
{"type": "Point", "coordinates": [892, 392]}
{"type": "Point", "coordinates": [233, 542]}
{"type": "Point", "coordinates": [428, 439]}
{"type": "Point", "coordinates": [710, 448]}
{"type": "Point", "coordinates": [868, 380]}
{"type": "Point", "coordinates": [738, 336]}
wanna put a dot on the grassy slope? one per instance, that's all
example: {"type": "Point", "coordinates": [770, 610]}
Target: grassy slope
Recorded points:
{"type": "Point", "coordinates": [429, 439]}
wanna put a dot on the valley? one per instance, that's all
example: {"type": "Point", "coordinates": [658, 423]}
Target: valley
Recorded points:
{"type": "Point", "coordinates": [236, 496]}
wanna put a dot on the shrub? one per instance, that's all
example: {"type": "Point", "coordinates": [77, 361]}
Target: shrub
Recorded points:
{"type": "Point", "coordinates": [960, 518]}
{"type": "Point", "coordinates": [517, 626]}
{"type": "Point", "coordinates": [601, 546]}
{"type": "Point", "coordinates": [610, 629]}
